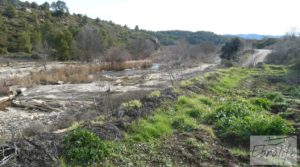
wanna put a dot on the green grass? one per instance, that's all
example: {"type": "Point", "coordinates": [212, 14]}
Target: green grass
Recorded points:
{"type": "Point", "coordinates": [228, 79]}
{"type": "Point", "coordinates": [238, 120]}
{"type": "Point", "coordinates": [186, 115]}
{"type": "Point", "coordinates": [229, 109]}
{"type": "Point", "coordinates": [239, 152]}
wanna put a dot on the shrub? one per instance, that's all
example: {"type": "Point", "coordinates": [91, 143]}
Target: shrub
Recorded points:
{"type": "Point", "coordinates": [234, 109]}
{"type": "Point", "coordinates": [182, 123]}
{"type": "Point", "coordinates": [279, 107]}
{"type": "Point", "coordinates": [154, 94]}
{"type": "Point", "coordinates": [239, 120]}
{"type": "Point", "coordinates": [84, 148]}
{"type": "Point", "coordinates": [133, 104]}
{"type": "Point", "coordinates": [195, 113]}
{"type": "Point", "coordinates": [34, 129]}
{"type": "Point", "coordinates": [261, 102]}
{"type": "Point", "coordinates": [4, 88]}
{"type": "Point", "coordinates": [10, 11]}
{"type": "Point", "coordinates": [240, 129]}
{"type": "Point", "coordinates": [275, 97]}
{"type": "Point", "coordinates": [153, 127]}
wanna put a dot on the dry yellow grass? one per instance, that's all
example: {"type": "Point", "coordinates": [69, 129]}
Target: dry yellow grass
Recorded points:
{"type": "Point", "coordinates": [4, 88]}
{"type": "Point", "coordinates": [76, 73]}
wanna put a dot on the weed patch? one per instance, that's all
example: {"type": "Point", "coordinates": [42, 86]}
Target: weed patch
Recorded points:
{"type": "Point", "coordinates": [154, 94]}
{"type": "Point", "coordinates": [84, 148]}
{"type": "Point", "coordinates": [133, 104]}
{"type": "Point", "coordinates": [238, 120]}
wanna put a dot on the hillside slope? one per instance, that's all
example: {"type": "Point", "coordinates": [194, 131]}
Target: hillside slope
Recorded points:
{"type": "Point", "coordinates": [26, 27]}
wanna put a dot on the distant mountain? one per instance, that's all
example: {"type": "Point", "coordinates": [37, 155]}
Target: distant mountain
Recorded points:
{"type": "Point", "coordinates": [252, 36]}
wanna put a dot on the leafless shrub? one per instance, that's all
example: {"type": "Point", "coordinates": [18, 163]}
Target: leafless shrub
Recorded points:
{"type": "Point", "coordinates": [184, 54]}
{"type": "Point", "coordinates": [66, 121]}
{"type": "Point", "coordinates": [117, 55]}
{"type": "Point", "coordinates": [286, 51]}
{"type": "Point", "coordinates": [142, 48]}
{"type": "Point", "coordinates": [8, 153]}
{"type": "Point", "coordinates": [89, 44]}
{"type": "Point", "coordinates": [4, 88]}
{"type": "Point", "coordinates": [34, 128]}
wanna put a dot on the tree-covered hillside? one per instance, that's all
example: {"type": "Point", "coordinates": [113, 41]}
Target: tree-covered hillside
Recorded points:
{"type": "Point", "coordinates": [170, 37]}
{"type": "Point", "coordinates": [50, 28]}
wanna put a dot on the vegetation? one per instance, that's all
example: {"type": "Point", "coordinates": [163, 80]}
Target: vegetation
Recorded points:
{"type": "Point", "coordinates": [133, 104]}
{"type": "Point", "coordinates": [285, 51]}
{"type": "Point", "coordinates": [154, 94]}
{"type": "Point", "coordinates": [230, 49]}
{"type": "Point", "coordinates": [238, 120]}
{"type": "Point", "coordinates": [24, 27]}
{"type": "Point", "coordinates": [225, 109]}
{"type": "Point", "coordinates": [84, 148]}
{"type": "Point", "coordinates": [193, 38]}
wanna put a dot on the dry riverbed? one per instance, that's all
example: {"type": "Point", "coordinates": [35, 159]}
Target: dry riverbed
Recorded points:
{"type": "Point", "coordinates": [47, 107]}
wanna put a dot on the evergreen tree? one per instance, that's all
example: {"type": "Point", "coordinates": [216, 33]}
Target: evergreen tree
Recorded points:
{"type": "Point", "coordinates": [36, 40]}
{"type": "Point", "coordinates": [10, 11]}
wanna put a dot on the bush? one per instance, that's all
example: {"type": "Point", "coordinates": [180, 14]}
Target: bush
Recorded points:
{"type": "Point", "coordinates": [133, 104]}
{"type": "Point", "coordinates": [182, 123]}
{"type": "Point", "coordinates": [234, 109]}
{"type": "Point", "coordinates": [4, 88]}
{"type": "Point", "coordinates": [275, 97]}
{"type": "Point", "coordinates": [10, 11]}
{"type": "Point", "coordinates": [230, 49]}
{"type": "Point", "coordinates": [84, 148]}
{"type": "Point", "coordinates": [261, 102]}
{"type": "Point", "coordinates": [154, 94]}
{"type": "Point", "coordinates": [239, 120]}
{"type": "Point", "coordinates": [279, 107]}
{"type": "Point", "coordinates": [195, 114]}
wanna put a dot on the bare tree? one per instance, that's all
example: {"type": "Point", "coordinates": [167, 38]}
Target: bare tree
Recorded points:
{"type": "Point", "coordinates": [45, 55]}
{"type": "Point", "coordinates": [89, 44]}
{"type": "Point", "coordinates": [292, 33]}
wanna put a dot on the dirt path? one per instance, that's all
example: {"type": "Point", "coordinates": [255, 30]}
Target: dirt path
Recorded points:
{"type": "Point", "coordinates": [259, 56]}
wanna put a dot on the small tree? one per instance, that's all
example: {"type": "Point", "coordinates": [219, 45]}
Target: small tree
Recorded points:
{"type": "Point", "coordinates": [117, 55]}
{"type": "Point", "coordinates": [59, 8]}
{"type": "Point", "coordinates": [45, 6]}
{"type": "Point", "coordinates": [136, 28]}
{"type": "Point", "coordinates": [89, 44]}
{"type": "Point", "coordinates": [36, 40]}
{"type": "Point", "coordinates": [10, 11]}
{"type": "Point", "coordinates": [230, 49]}
{"type": "Point", "coordinates": [46, 54]}
{"type": "Point", "coordinates": [34, 5]}
{"type": "Point", "coordinates": [24, 44]}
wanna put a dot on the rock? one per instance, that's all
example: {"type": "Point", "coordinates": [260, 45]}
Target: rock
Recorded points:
{"type": "Point", "coordinates": [60, 82]}
{"type": "Point", "coordinates": [118, 81]}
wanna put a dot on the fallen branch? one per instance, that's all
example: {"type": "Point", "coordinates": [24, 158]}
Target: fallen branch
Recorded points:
{"type": "Point", "coordinates": [34, 106]}
{"type": "Point", "coordinates": [7, 153]}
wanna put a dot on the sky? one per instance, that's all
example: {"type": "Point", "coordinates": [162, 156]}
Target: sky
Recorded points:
{"type": "Point", "coordinates": [268, 17]}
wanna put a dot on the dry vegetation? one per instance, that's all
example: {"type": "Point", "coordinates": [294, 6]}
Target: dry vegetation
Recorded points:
{"type": "Point", "coordinates": [185, 54]}
{"type": "Point", "coordinates": [75, 73]}
{"type": "Point", "coordinates": [4, 88]}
